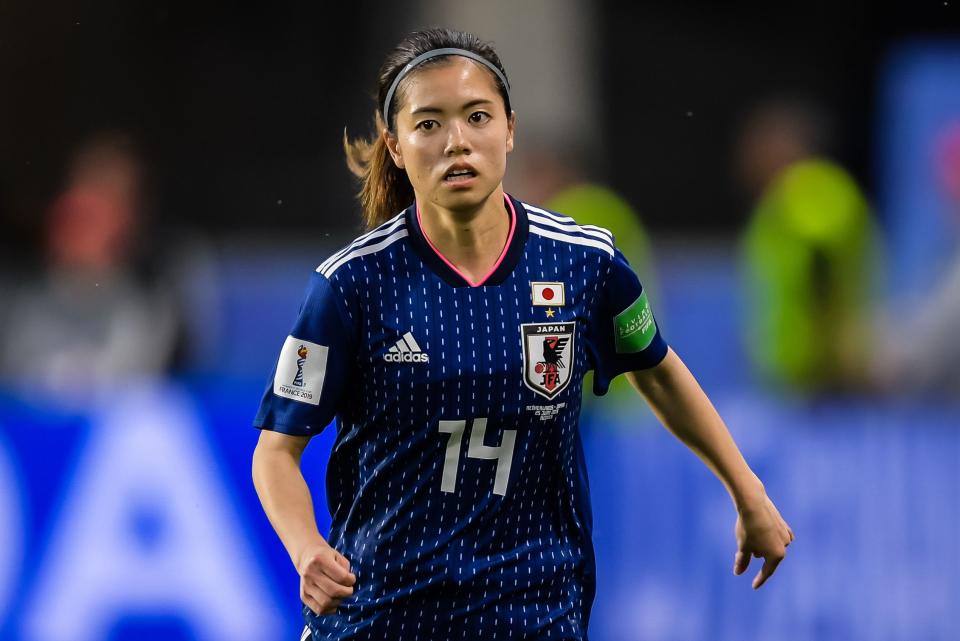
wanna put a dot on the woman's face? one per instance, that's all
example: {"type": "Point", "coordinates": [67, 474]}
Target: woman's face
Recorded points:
{"type": "Point", "coordinates": [452, 134]}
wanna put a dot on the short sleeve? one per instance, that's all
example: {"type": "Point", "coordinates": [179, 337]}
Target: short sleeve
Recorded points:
{"type": "Point", "coordinates": [624, 335]}
{"type": "Point", "coordinates": [315, 364]}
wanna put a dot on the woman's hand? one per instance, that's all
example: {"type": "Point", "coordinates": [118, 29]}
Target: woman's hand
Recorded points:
{"type": "Point", "coordinates": [761, 532]}
{"type": "Point", "coordinates": [325, 578]}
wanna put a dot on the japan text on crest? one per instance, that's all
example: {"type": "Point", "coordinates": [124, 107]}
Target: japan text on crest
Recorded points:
{"type": "Point", "coordinates": [547, 356]}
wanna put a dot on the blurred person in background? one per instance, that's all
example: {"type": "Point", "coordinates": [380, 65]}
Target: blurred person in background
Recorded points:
{"type": "Point", "coordinates": [808, 253]}
{"type": "Point", "coordinates": [450, 344]}
{"type": "Point", "coordinates": [92, 317]}
{"type": "Point", "coordinates": [929, 363]}
{"type": "Point", "coordinates": [555, 174]}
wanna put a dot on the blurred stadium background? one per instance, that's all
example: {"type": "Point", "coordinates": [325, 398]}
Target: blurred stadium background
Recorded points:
{"type": "Point", "coordinates": [785, 178]}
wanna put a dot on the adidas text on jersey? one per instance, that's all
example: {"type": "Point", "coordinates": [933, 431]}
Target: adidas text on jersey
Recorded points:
{"type": "Point", "coordinates": [406, 351]}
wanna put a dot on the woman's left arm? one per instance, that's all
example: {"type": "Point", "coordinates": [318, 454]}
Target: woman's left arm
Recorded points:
{"type": "Point", "coordinates": [681, 405]}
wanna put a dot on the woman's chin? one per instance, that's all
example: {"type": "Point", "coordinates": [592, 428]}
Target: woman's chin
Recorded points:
{"type": "Point", "coordinates": [465, 199]}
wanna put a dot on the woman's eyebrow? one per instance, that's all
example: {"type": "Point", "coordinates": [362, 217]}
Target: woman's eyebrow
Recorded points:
{"type": "Point", "coordinates": [478, 101]}
{"type": "Point", "coordinates": [432, 109]}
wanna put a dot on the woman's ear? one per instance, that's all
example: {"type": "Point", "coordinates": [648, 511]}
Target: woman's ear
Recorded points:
{"type": "Point", "coordinates": [393, 146]}
{"type": "Point", "coordinates": [511, 127]}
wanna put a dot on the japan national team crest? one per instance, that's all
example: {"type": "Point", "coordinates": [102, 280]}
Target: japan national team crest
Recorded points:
{"type": "Point", "coordinates": [547, 356]}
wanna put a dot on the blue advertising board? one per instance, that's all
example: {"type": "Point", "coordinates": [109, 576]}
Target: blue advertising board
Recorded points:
{"type": "Point", "coordinates": [137, 519]}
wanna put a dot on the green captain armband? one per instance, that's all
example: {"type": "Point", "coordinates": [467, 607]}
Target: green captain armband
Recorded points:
{"type": "Point", "coordinates": [634, 327]}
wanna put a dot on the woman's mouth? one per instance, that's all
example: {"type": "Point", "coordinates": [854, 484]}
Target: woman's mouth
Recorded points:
{"type": "Point", "coordinates": [456, 176]}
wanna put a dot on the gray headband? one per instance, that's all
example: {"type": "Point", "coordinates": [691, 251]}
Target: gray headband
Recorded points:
{"type": "Point", "coordinates": [436, 53]}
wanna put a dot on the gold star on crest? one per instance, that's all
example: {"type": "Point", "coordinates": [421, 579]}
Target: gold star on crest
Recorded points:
{"type": "Point", "coordinates": [550, 312]}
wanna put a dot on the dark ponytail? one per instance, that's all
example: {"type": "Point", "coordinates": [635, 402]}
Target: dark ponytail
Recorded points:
{"type": "Point", "coordinates": [385, 189]}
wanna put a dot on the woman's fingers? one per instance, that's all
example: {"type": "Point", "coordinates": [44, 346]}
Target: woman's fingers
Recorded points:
{"type": "Point", "coordinates": [331, 607]}
{"type": "Point", "coordinates": [308, 599]}
{"type": "Point", "coordinates": [740, 562]}
{"type": "Point", "coordinates": [761, 533]}
{"type": "Point", "coordinates": [339, 569]}
{"type": "Point", "coordinates": [323, 597]}
{"type": "Point", "coordinates": [342, 561]}
{"type": "Point", "coordinates": [332, 565]}
{"type": "Point", "coordinates": [332, 589]}
{"type": "Point", "coordinates": [326, 580]}
{"type": "Point", "coordinates": [769, 566]}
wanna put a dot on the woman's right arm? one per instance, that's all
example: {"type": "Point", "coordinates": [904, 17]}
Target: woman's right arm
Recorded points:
{"type": "Point", "coordinates": [325, 577]}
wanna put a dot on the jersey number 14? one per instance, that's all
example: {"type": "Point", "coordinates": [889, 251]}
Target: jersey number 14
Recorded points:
{"type": "Point", "coordinates": [503, 453]}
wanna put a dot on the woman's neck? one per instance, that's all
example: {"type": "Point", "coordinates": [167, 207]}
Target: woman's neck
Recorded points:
{"type": "Point", "coordinates": [472, 241]}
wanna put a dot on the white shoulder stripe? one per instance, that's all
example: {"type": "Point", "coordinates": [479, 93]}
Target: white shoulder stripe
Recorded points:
{"type": "Point", "coordinates": [363, 251]}
{"type": "Point", "coordinates": [576, 240]}
{"type": "Point", "coordinates": [572, 228]}
{"type": "Point", "coordinates": [383, 230]}
{"type": "Point", "coordinates": [603, 230]}
{"type": "Point", "coordinates": [567, 220]}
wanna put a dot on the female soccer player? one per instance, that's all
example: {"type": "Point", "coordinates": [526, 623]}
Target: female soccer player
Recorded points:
{"type": "Point", "coordinates": [450, 343]}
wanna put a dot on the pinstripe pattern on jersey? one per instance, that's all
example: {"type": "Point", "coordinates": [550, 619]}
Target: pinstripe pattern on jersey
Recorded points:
{"type": "Point", "coordinates": [418, 549]}
{"type": "Point", "coordinates": [437, 560]}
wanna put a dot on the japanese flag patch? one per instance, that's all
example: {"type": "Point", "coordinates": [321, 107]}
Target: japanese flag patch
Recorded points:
{"type": "Point", "coordinates": [547, 294]}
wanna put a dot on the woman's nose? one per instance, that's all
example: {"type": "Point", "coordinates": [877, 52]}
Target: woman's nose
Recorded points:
{"type": "Point", "coordinates": [457, 141]}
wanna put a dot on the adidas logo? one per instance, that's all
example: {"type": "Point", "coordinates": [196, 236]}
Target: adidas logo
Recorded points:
{"type": "Point", "coordinates": [406, 351]}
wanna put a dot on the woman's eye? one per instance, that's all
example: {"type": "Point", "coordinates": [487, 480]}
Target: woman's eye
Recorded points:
{"type": "Point", "coordinates": [478, 117]}
{"type": "Point", "coordinates": [427, 125]}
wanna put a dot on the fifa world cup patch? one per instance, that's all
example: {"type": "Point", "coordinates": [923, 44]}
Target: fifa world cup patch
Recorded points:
{"type": "Point", "coordinates": [634, 327]}
{"type": "Point", "coordinates": [300, 371]}
{"type": "Point", "coordinates": [546, 294]}
{"type": "Point", "coordinates": [547, 356]}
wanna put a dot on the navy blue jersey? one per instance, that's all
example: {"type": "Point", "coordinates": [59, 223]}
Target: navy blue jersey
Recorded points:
{"type": "Point", "coordinates": [456, 484]}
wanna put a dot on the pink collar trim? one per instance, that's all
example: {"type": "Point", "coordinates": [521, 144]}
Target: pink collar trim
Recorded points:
{"type": "Point", "coordinates": [506, 246]}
